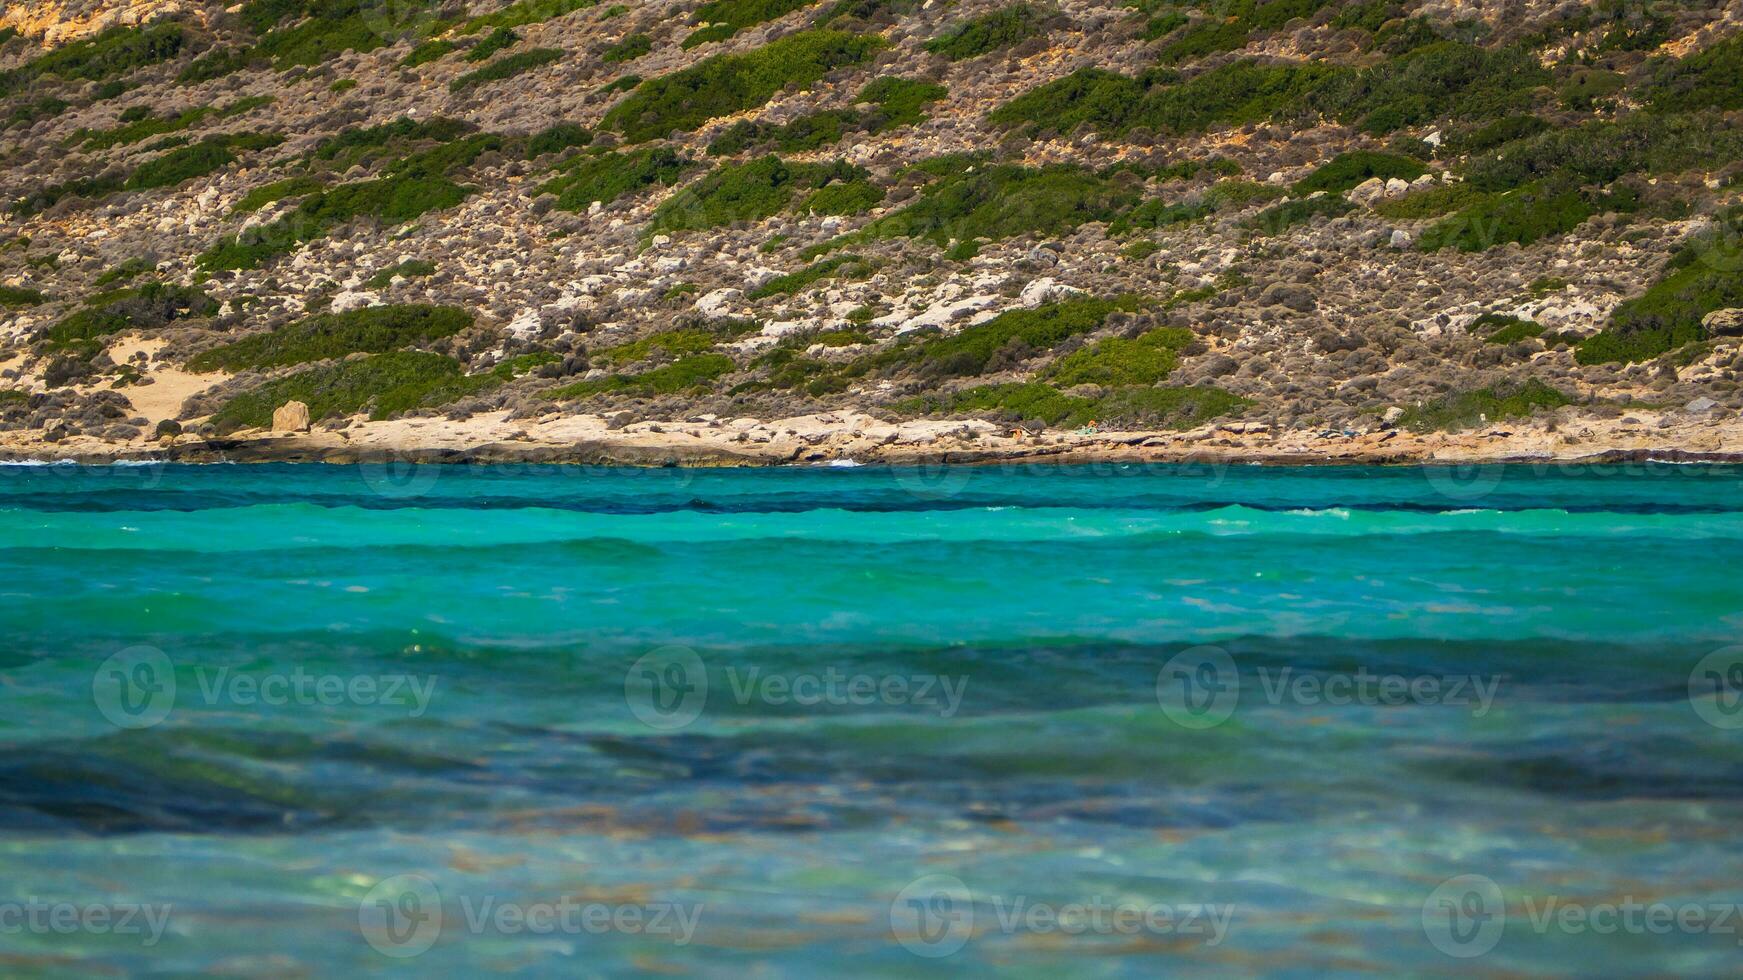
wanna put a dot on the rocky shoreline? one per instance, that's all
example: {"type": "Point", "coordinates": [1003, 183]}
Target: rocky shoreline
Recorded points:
{"type": "Point", "coordinates": [850, 439]}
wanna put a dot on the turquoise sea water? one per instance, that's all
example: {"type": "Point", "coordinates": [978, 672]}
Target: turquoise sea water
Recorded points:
{"type": "Point", "coordinates": [1108, 720]}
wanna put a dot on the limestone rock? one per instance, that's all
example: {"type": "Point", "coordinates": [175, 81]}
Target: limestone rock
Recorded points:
{"type": "Point", "coordinates": [1045, 290]}
{"type": "Point", "coordinates": [291, 417]}
{"type": "Point", "coordinates": [1723, 323]}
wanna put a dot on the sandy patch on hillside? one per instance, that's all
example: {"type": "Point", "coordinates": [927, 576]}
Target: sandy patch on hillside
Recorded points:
{"type": "Point", "coordinates": [162, 399]}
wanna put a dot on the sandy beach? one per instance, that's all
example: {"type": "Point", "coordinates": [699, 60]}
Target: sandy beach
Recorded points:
{"type": "Point", "coordinates": [851, 437]}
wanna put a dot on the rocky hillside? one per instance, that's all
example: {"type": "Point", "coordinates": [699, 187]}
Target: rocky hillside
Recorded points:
{"type": "Point", "coordinates": [1343, 215]}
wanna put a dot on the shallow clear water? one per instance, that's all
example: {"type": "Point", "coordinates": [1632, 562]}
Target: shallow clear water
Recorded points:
{"type": "Point", "coordinates": [1240, 721]}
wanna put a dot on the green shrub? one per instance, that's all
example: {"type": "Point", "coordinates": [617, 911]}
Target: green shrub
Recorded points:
{"type": "Point", "coordinates": [44, 198]}
{"type": "Point", "coordinates": [727, 17]}
{"type": "Point", "coordinates": [1347, 170]}
{"type": "Point", "coordinates": [605, 177]}
{"type": "Point", "coordinates": [1586, 87]}
{"type": "Point", "coordinates": [329, 31]}
{"type": "Point", "coordinates": [802, 135]}
{"type": "Point", "coordinates": [394, 199]}
{"type": "Point", "coordinates": [522, 13]}
{"type": "Point", "coordinates": [898, 101]}
{"type": "Point", "coordinates": [678, 343]}
{"type": "Point", "coordinates": [968, 352]}
{"type": "Point", "coordinates": [16, 296]}
{"type": "Point", "coordinates": [1523, 215]}
{"type": "Point", "coordinates": [1157, 213]}
{"type": "Point", "coordinates": [748, 191]}
{"type": "Point", "coordinates": [730, 83]}
{"type": "Point", "coordinates": [868, 12]}
{"type": "Point", "coordinates": [1465, 409]}
{"type": "Point", "coordinates": [628, 49]}
{"type": "Point", "coordinates": [1709, 79]}
{"type": "Point", "coordinates": [988, 32]}
{"type": "Point", "coordinates": [384, 385]}
{"type": "Point", "coordinates": [1113, 105]}
{"type": "Point", "coordinates": [130, 269]}
{"type": "Point", "coordinates": [506, 67]}
{"type": "Point", "coordinates": [1000, 202]}
{"type": "Point", "coordinates": [132, 131]}
{"type": "Point", "coordinates": [901, 99]}
{"type": "Point", "coordinates": [1278, 218]}
{"type": "Point", "coordinates": [371, 330]}
{"type": "Point", "coordinates": [351, 144]}
{"type": "Point", "coordinates": [1228, 27]}
{"type": "Point", "coordinates": [843, 198]}
{"type": "Point", "coordinates": [1446, 78]}
{"type": "Point", "coordinates": [556, 138]}
{"type": "Point", "coordinates": [1142, 360]}
{"type": "Point", "coordinates": [409, 269]}
{"type": "Point", "coordinates": [1544, 285]}
{"type": "Point", "coordinates": [427, 52]}
{"type": "Point", "coordinates": [116, 51]}
{"type": "Point", "coordinates": [699, 371]}
{"type": "Point", "coordinates": [493, 42]}
{"type": "Point", "coordinates": [1492, 134]}
{"type": "Point", "coordinates": [410, 187]}
{"type": "Point", "coordinates": [851, 266]}
{"type": "Point", "coordinates": [1430, 202]}
{"type": "Point", "coordinates": [245, 104]}
{"type": "Point", "coordinates": [1496, 328]}
{"type": "Point", "coordinates": [35, 110]}
{"type": "Point", "coordinates": [215, 63]}
{"type": "Point", "coordinates": [1599, 152]}
{"type": "Point", "coordinates": [146, 307]}
{"type": "Point", "coordinates": [276, 191]}
{"type": "Point", "coordinates": [1200, 37]}
{"type": "Point", "coordinates": [207, 156]}
{"type": "Point", "coordinates": [622, 83]}
{"type": "Point", "coordinates": [1700, 278]}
